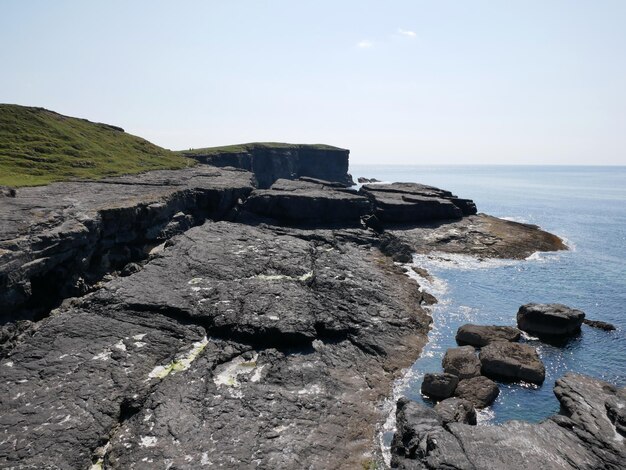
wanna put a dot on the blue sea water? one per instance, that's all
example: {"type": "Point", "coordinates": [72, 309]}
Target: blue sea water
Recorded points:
{"type": "Point", "coordinates": [586, 206]}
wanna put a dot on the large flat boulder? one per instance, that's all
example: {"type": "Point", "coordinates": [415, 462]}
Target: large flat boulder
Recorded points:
{"type": "Point", "coordinates": [583, 437]}
{"type": "Point", "coordinates": [549, 319]}
{"type": "Point", "coordinates": [482, 335]}
{"type": "Point", "coordinates": [297, 202]}
{"type": "Point", "coordinates": [410, 203]}
{"type": "Point", "coordinates": [512, 361]}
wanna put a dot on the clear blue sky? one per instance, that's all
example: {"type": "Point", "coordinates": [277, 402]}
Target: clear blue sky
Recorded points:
{"type": "Point", "coordinates": [415, 82]}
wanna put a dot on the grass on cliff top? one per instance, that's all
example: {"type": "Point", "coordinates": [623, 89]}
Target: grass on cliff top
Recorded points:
{"type": "Point", "coordinates": [38, 146]}
{"type": "Point", "coordinates": [243, 148]}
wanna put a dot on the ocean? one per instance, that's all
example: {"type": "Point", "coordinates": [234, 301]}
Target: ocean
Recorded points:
{"type": "Point", "coordinates": [586, 206]}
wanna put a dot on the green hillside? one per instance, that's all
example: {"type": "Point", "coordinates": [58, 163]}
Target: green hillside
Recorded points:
{"type": "Point", "coordinates": [38, 146]}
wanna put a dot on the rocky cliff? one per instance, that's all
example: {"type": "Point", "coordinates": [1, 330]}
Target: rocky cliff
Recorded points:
{"type": "Point", "coordinates": [186, 319]}
{"type": "Point", "coordinates": [272, 161]}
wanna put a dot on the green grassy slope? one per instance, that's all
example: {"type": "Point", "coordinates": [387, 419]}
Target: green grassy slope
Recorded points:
{"type": "Point", "coordinates": [38, 146]}
{"type": "Point", "coordinates": [242, 148]}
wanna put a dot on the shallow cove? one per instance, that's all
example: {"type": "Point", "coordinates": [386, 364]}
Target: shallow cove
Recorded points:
{"type": "Point", "coordinates": [583, 205]}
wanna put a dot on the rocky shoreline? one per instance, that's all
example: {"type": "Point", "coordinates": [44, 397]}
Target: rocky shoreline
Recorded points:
{"type": "Point", "coordinates": [197, 318]}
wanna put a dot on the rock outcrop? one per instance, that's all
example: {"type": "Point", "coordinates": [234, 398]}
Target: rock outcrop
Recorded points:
{"type": "Point", "coordinates": [270, 162]}
{"type": "Point", "coordinates": [512, 361]}
{"type": "Point", "coordinates": [482, 335]}
{"type": "Point", "coordinates": [411, 203]}
{"type": "Point", "coordinates": [479, 391]}
{"type": "Point", "coordinates": [306, 202]}
{"type": "Point", "coordinates": [585, 436]}
{"type": "Point", "coordinates": [56, 240]}
{"type": "Point", "coordinates": [549, 319]}
{"type": "Point", "coordinates": [232, 333]}
{"type": "Point", "coordinates": [461, 362]}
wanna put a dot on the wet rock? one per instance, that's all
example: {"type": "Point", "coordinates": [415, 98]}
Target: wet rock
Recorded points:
{"type": "Point", "coordinates": [461, 362]}
{"type": "Point", "coordinates": [439, 386]}
{"type": "Point", "coordinates": [481, 335]}
{"type": "Point", "coordinates": [362, 180]}
{"type": "Point", "coordinates": [456, 410]}
{"type": "Point", "coordinates": [582, 437]}
{"type": "Point", "coordinates": [549, 319]}
{"type": "Point", "coordinates": [480, 391]}
{"type": "Point", "coordinates": [304, 202]}
{"type": "Point", "coordinates": [512, 361]}
{"type": "Point", "coordinates": [602, 325]}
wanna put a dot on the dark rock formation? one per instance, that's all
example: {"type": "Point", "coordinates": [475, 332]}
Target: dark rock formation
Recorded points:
{"type": "Point", "coordinates": [307, 202]}
{"type": "Point", "coordinates": [549, 319]}
{"type": "Point", "coordinates": [482, 335]}
{"type": "Point", "coordinates": [583, 437]}
{"type": "Point", "coordinates": [512, 361]}
{"type": "Point", "coordinates": [271, 162]}
{"type": "Point", "coordinates": [439, 386]}
{"type": "Point", "coordinates": [456, 410]}
{"type": "Point", "coordinates": [480, 391]}
{"type": "Point", "coordinates": [362, 180]}
{"type": "Point", "coordinates": [461, 362]}
{"type": "Point", "coordinates": [55, 240]}
{"type": "Point", "coordinates": [602, 325]}
{"type": "Point", "coordinates": [231, 334]}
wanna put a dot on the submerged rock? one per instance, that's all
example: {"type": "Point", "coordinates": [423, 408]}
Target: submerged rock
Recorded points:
{"type": "Point", "coordinates": [439, 386]}
{"type": "Point", "coordinates": [461, 362]}
{"type": "Point", "coordinates": [480, 391]}
{"type": "Point", "coordinates": [482, 335]}
{"type": "Point", "coordinates": [512, 361]}
{"type": "Point", "coordinates": [602, 325]}
{"type": "Point", "coordinates": [549, 319]}
{"type": "Point", "coordinates": [583, 437]}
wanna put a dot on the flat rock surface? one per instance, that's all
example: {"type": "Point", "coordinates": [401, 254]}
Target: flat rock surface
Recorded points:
{"type": "Point", "coordinates": [583, 437]}
{"type": "Point", "coordinates": [512, 361]}
{"type": "Point", "coordinates": [482, 335]}
{"type": "Point", "coordinates": [231, 335]}
{"type": "Point", "coordinates": [479, 235]}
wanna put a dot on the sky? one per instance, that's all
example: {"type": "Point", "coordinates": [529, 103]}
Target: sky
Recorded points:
{"type": "Point", "coordinates": [396, 82]}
